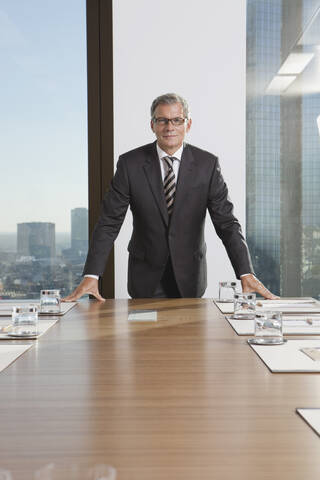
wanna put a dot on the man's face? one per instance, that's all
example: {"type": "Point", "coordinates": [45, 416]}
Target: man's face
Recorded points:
{"type": "Point", "coordinates": [170, 137]}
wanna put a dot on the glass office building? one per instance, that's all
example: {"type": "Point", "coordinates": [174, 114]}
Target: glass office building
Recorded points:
{"type": "Point", "coordinates": [283, 144]}
{"type": "Point", "coordinates": [263, 140]}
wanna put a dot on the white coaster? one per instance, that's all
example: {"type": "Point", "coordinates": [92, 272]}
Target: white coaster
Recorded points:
{"type": "Point", "coordinates": [288, 357]}
{"type": "Point", "coordinates": [312, 417]}
{"type": "Point", "coordinates": [143, 316]}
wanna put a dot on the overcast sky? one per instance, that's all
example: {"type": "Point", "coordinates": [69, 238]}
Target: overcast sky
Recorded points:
{"type": "Point", "coordinates": [43, 115]}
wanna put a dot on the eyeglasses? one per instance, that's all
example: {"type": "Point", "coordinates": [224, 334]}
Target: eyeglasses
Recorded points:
{"type": "Point", "coordinates": [165, 121]}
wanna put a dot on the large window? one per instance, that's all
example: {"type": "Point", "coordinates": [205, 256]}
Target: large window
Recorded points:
{"type": "Point", "coordinates": [283, 144]}
{"type": "Point", "coordinates": [43, 149]}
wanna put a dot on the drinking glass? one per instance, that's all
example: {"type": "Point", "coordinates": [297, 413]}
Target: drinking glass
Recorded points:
{"type": "Point", "coordinates": [24, 321]}
{"type": "Point", "coordinates": [268, 328]}
{"type": "Point", "coordinates": [227, 291]}
{"type": "Point", "coordinates": [50, 301]}
{"type": "Point", "coordinates": [5, 475]}
{"type": "Point", "coordinates": [244, 306]}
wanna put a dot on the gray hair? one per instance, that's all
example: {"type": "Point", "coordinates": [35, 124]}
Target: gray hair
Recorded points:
{"type": "Point", "coordinates": [168, 99]}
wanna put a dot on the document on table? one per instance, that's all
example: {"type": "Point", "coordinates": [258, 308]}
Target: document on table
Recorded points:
{"type": "Point", "coordinates": [224, 307]}
{"type": "Point", "coordinates": [312, 417]}
{"type": "Point", "coordinates": [288, 306]}
{"type": "Point", "coordinates": [6, 307]}
{"type": "Point", "coordinates": [288, 357]}
{"type": "Point", "coordinates": [292, 325]}
{"type": "Point", "coordinates": [142, 316]}
{"type": "Point", "coordinates": [43, 326]}
{"type": "Point", "coordinates": [9, 353]}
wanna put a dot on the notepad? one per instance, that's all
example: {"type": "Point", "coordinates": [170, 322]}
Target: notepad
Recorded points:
{"type": "Point", "coordinates": [142, 316]}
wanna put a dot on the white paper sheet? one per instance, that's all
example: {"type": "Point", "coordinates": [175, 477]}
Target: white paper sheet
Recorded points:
{"type": "Point", "coordinates": [43, 326]}
{"type": "Point", "coordinates": [291, 326]}
{"type": "Point", "coordinates": [224, 307]}
{"type": "Point", "coordinates": [288, 357]}
{"type": "Point", "coordinates": [9, 353]}
{"type": "Point", "coordinates": [298, 308]}
{"type": "Point", "coordinates": [289, 306]}
{"type": "Point", "coordinates": [290, 301]}
{"type": "Point", "coordinates": [312, 417]}
{"type": "Point", "coordinates": [6, 307]}
{"type": "Point", "coordinates": [143, 316]}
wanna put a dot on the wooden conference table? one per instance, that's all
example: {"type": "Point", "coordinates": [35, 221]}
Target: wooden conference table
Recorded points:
{"type": "Point", "coordinates": [181, 399]}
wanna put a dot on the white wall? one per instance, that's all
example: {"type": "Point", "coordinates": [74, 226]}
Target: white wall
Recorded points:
{"type": "Point", "coordinates": [196, 49]}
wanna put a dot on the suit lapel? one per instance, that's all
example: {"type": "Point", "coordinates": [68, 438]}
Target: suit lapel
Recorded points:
{"type": "Point", "coordinates": [153, 173]}
{"type": "Point", "coordinates": [185, 180]}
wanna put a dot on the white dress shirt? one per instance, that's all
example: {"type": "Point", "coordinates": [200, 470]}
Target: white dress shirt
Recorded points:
{"type": "Point", "coordinates": [176, 162]}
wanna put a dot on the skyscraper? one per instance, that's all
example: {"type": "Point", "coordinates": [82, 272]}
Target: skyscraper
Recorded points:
{"type": "Point", "coordinates": [79, 230]}
{"type": "Point", "coordinates": [263, 140]}
{"type": "Point", "coordinates": [36, 239]}
{"type": "Point", "coordinates": [283, 145]}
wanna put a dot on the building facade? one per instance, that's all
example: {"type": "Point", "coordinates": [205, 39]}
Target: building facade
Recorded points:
{"type": "Point", "coordinates": [36, 239]}
{"type": "Point", "coordinates": [283, 146]}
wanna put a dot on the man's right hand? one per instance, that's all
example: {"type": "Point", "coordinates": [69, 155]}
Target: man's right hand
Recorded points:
{"type": "Point", "coordinates": [87, 286]}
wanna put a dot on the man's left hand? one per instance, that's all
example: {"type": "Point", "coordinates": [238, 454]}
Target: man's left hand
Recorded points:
{"type": "Point", "coordinates": [251, 284]}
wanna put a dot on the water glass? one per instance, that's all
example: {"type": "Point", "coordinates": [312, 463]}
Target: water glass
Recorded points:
{"type": "Point", "coordinates": [5, 475]}
{"type": "Point", "coordinates": [244, 306]}
{"type": "Point", "coordinates": [268, 328]}
{"type": "Point", "coordinates": [227, 291]}
{"type": "Point", "coordinates": [50, 301]}
{"type": "Point", "coordinates": [24, 321]}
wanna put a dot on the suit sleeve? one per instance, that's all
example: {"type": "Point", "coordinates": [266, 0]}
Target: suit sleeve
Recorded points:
{"type": "Point", "coordinates": [113, 211]}
{"type": "Point", "coordinates": [226, 224]}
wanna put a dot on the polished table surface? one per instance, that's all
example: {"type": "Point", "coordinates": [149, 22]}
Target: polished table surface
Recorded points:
{"type": "Point", "coordinates": [181, 399]}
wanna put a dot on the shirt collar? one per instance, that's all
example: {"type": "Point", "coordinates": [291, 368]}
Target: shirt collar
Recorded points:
{"type": "Point", "coordinates": [177, 155]}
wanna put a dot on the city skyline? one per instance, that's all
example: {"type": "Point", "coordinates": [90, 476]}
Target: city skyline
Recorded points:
{"type": "Point", "coordinates": [13, 232]}
{"type": "Point", "coordinates": [38, 264]}
{"type": "Point", "coordinates": [67, 232]}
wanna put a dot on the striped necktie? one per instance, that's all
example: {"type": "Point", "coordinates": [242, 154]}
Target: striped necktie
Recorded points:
{"type": "Point", "coordinates": [169, 183]}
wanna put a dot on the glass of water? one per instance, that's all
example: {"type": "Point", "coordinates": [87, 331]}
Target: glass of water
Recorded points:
{"type": "Point", "coordinates": [24, 321]}
{"type": "Point", "coordinates": [227, 291]}
{"type": "Point", "coordinates": [244, 306]}
{"type": "Point", "coordinates": [268, 328]}
{"type": "Point", "coordinates": [50, 301]}
{"type": "Point", "coordinates": [5, 475]}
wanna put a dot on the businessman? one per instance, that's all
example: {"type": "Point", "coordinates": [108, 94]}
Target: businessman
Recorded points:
{"type": "Point", "coordinates": [169, 185]}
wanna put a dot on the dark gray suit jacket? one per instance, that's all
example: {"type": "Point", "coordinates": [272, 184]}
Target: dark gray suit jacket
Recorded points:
{"type": "Point", "coordinates": [138, 183]}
